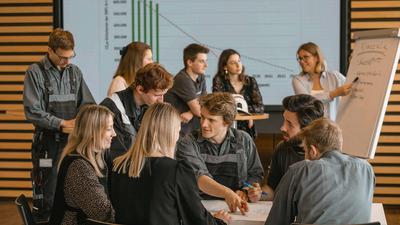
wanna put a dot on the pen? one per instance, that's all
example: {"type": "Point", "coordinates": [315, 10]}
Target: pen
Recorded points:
{"type": "Point", "coordinates": [251, 186]}
{"type": "Point", "coordinates": [355, 80]}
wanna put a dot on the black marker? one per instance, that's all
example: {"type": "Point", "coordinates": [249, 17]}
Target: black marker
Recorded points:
{"type": "Point", "coordinates": [355, 80]}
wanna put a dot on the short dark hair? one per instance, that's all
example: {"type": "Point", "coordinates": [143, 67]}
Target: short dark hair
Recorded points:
{"type": "Point", "coordinates": [153, 76]}
{"type": "Point", "coordinates": [191, 51]}
{"type": "Point", "coordinates": [307, 108]}
{"type": "Point", "coordinates": [60, 38]}
{"type": "Point", "coordinates": [220, 104]}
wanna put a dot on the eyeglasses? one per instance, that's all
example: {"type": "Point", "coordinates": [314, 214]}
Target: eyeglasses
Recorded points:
{"type": "Point", "coordinates": [63, 57]}
{"type": "Point", "coordinates": [304, 58]}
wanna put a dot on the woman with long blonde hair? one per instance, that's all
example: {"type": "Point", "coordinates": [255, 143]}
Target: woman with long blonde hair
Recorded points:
{"type": "Point", "coordinates": [148, 186]}
{"type": "Point", "coordinates": [80, 191]}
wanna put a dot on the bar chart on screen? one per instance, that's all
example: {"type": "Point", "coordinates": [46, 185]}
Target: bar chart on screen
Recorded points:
{"type": "Point", "coordinates": [265, 33]}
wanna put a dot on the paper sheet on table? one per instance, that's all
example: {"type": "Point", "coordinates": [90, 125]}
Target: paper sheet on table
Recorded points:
{"type": "Point", "coordinates": [257, 211]}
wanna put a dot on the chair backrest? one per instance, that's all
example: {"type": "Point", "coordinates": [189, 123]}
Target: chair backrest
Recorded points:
{"type": "Point", "coordinates": [96, 222]}
{"type": "Point", "coordinates": [24, 210]}
{"type": "Point", "coordinates": [371, 223]}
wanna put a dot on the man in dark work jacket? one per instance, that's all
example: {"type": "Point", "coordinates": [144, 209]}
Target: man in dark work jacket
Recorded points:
{"type": "Point", "coordinates": [129, 105]}
{"type": "Point", "coordinates": [299, 111]}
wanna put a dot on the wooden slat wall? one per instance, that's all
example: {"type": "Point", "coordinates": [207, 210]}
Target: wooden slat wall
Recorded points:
{"type": "Point", "coordinates": [24, 29]}
{"type": "Point", "coordinates": [377, 14]}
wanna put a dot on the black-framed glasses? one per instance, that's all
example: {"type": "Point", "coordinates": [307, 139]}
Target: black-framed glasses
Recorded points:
{"type": "Point", "coordinates": [63, 57]}
{"type": "Point", "coordinates": [303, 58]}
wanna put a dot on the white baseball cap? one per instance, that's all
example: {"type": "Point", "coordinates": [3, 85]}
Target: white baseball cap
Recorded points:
{"type": "Point", "coordinates": [241, 104]}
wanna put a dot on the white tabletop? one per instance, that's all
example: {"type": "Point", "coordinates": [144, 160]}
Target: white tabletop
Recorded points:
{"type": "Point", "coordinates": [259, 211]}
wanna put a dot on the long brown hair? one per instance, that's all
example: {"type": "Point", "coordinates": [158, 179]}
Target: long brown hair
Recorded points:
{"type": "Point", "coordinates": [131, 60]}
{"type": "Point", "coordinates": [158, 132]}
{"type": "Point", "coordinates": [223, 61]}
{"type": "Point", "coordinates": [85, 139]}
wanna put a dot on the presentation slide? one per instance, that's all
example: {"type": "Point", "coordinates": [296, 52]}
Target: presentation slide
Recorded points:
{"type": "Point", "coordinates": [266, 33]}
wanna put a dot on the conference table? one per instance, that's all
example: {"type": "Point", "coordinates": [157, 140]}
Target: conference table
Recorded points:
{"type": "Point", "coordinates": [254, 116]}
{"type": "Point", "coordinates": [259, 211]}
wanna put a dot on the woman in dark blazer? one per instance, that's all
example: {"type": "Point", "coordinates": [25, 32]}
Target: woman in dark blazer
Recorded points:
{"type": "Point", "coordinates": [148, 186]}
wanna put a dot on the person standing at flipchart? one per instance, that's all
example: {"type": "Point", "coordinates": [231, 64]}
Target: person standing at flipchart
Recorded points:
{"type": "Point", "coordinates": [317, 81]}
{"type": "Point", "coordinates": [54, 90]}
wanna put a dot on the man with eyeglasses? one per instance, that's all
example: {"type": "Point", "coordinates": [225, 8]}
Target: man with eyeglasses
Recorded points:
{"type": "Point", "coordinates": [54, 90]}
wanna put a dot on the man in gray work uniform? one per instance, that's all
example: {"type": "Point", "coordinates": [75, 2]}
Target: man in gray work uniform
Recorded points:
{"type": "Point", "coordinates": [225, 160]}
{"type": "Point", "coordinates": [54, 90]}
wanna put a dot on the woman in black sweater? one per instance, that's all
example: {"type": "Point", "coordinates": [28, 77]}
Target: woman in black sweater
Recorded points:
{"type": "Point", "coordinates": [148, 186]}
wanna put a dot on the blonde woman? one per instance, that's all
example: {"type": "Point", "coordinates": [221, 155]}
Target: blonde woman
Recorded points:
{"type": "Point", "coordinates": [314, 79]}
{"type": "Point", "coordinates": [133, 57]}
{"type": "Point", "coordinates": [148, 186]}
{"type": "Point", "coordinates": [80, 191]}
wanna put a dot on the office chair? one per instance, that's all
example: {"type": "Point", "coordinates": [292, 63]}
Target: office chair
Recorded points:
{"type": "Point", "coordinates": [96, 222]}
{"type": "Point", "coordinates": [24, 210]}
{"type": "Point", "coordinates": [371, 223]}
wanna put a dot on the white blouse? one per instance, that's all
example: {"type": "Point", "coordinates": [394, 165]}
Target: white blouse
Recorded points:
{"type": "Point", "coordinates": [330, 80]}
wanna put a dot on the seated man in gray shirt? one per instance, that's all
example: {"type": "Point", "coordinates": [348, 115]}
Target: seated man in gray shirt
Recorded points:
{"type": "Point", "coordinates": [224, 159]}
{"type": "Point", "coordinates": [328, 187]}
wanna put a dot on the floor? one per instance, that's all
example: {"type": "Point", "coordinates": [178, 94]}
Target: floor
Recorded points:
{"type": "Point", "coordinates": [9, 213]}
{"type": "Point", "coordinates": [392, 214]}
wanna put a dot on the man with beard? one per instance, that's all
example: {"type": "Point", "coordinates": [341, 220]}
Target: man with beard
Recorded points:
{"type": "Point", "coordinates": [299, 111]}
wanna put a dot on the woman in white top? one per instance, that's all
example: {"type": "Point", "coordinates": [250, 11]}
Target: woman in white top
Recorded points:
{"type": "Point", "coordinates": [317, 81]}
{"type": "Point", "coordinates": [133, 57]}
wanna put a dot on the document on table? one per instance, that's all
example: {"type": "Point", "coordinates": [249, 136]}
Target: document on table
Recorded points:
{"type": "Point", "coordinates": [257, 211]}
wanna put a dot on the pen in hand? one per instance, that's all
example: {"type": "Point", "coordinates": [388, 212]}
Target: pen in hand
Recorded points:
{"type": "Point", "coordinates": [251, 186]}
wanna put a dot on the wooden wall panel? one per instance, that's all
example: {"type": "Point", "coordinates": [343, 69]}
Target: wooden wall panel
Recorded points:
{"type": "Point", "coordinates": [370, 14]}
{"type": "Point", "coordinates": [24, 29]}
